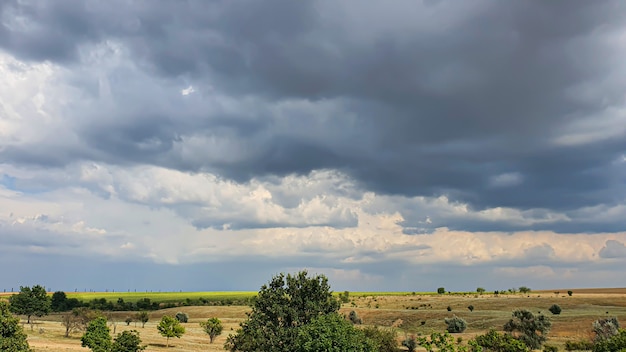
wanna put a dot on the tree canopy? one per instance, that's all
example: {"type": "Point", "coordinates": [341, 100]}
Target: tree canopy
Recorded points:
{"type": "Point", "coordinates": [97, 336]}
{"type": "Point", "coordinates": [281, 308]}
{"type": "Point", "coordinates": [30, 302]}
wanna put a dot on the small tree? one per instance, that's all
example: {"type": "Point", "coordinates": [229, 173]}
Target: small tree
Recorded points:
{"type": "Point", "coordinates": [12, 336]}
{"type": "Point", "coordinates": [213, 327]}
{"type": "Point", "coordinates": [480, 290]}
{"type": "Point", "coordinates": [471, 308]}
{"type": "Point", "coordinates": [529, 329]}
{"type": "Point", "coordinates": [449, 309]}
{"type": "Point", "coordinates": [72, 323]}
{"type": "Point", "coordinates": [612, 344]}
{"type": "Point", "coordinates": [354, 318]}
{"type": "Point", "coordinates": [555, 309]}
{"type": "Point", "coordinates": [143, 317]}
{"type": "Point", "coordinates": [182, 317]}
{"type": "Point", "coordinates": [30, 302]}
{"type": "Point", "coordinates": [524, 289]}
{"type": "Point", "coordinates": [170, 327]}
{"type": "Point", "coordinates": [344, 297]}
{"type": "Point", "coordinates": [456, 324]}
{"type": "Point", "coordinates": [441, 290]}
{"type": "Point", "coordinates": [410, 342]}
{"type": "Point", "coordinates": [127, 341]}
{"type": "Point", "coordinates": [570, 293]}
{"type": "Point", "coordinates": [128, 320]}
{"type": "Point", "coordinates": [97, 336]}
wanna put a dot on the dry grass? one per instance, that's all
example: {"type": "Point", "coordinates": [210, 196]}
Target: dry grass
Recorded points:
{"type": "Point", "coordinates": [579, 311]}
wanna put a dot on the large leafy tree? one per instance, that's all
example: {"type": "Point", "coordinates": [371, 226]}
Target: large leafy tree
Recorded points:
{"type": "Point", "coordinates": [30, 302]}
{"type": "Point", "coordinates": [281, 308]}
{"type": "Point", "coordinates": [528, 328]}
{"type": "Point", "coordinates": [170, 327]}
{"type": "Point", "coordinates": [12, 336]}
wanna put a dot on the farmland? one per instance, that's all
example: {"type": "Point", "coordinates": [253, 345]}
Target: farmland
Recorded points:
{"type": "Point", "coordinates": [409, 314]}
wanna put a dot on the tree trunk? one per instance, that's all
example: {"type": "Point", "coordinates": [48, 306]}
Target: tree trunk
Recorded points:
{"type": "Point", "coordinates": [28, 319]}
{"type": "Point", "coordinates": [167, 344]}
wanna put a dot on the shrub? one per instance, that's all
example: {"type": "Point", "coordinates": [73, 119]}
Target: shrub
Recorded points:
{"type": "Point", "coordinates": [613, 344]}
{"type": "Point", "coordinates": [580, 345]}
{"type": "Point", "coordinates": [97, 336]}
{"type": "Point", "coordinates": [354, 318]}
{"type": "Point", "coordinates": [410, 343]}
{"type": "Point", "coordinates": [570, 293]}
{"type": "Point", "coordinates": [344, 297]}
{"type": "Point", "coordinates": [497, 342]}
{"type": "Point", "coordinates": [441, 290]}
{"type": "Point", "coordinates": [182, 317]}
{"type": "Point", "coordinates": [523, 289]}
{"type": "Point", "coordinates": [555, 309]}
{"type": "Point", "coordinates": [383, 339]}
{"type": "Point", "coordinates": [449, 309]}
{"type": "Point", "coordinates": [550, 348]}
{"type": "Point", "coordinates": [12, 336]}
{"type": "Point", "coordinates": [456, 324]}
{"type": "Point", "coordinates": [530, 329]}
{"type": "Point", "coordinates": [605, 328]}
{"type": "Point", "coordinates": [471, 308]}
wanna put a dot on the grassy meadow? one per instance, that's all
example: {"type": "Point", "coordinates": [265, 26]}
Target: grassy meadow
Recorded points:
{"type": "Point", "coordinates": [407, 313]}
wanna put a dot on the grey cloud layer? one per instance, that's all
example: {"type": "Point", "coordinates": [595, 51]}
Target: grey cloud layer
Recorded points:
{"type": "Point", "coordinates": [491, 104]}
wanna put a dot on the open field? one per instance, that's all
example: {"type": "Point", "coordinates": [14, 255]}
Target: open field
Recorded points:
{"type": "Point", "coordinates": [420, 314]}
{"type": "Point", "coordinates": [164, 297]}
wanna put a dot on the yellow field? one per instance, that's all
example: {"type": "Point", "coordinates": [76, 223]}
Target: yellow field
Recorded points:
{"type": "Point", "coordinates": [579, 311]}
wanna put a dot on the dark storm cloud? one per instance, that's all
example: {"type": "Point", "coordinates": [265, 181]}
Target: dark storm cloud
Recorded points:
{"type": "Point", "coordinates": [441, 97]}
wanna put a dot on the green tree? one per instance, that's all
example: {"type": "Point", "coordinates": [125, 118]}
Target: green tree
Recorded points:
{"type": "Point", "coordinates": [441, 290]}
{"type": "Point", "coordinates": [524, 289]}
{"type": "Point", "coordinates": [143, 317]}
{"type": "Point", "coordinates": [30, 302]}
{"type": "Point", "coordinates": [213, 327]}
{"type": "Point", "coordinates": [332, 333]}
{"type": "Point", "coordinates": [12, 336]}
{"type": "Point", "coordinates": [612, 344]}
{"type": "Point", "coordinates": [59, 302]}
{"type": "Point", "coordinates": [444, 342]}
{"type": "Point", "coordinates": [97, 336]}
{"type": "Point", "coordinates": [528, 328]}
{"type": "Point", "coordinates": [182, 317]}
{"type": "Point", "coordinates": [127, 341]}
{"type": "Point", "coordinates": [170, 327]}
{"type": "Point", "coordinates": [480, 290]}
{"type": "Point", "coordinates": [282, 306]}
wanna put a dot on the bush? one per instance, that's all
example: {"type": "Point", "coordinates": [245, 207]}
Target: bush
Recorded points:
{"type": "Point", "coordinates": [456, 324]}
{"type": "Point", "coordinates": [555, 309]}
{"type": "Point", "coordinates": [580, 345]}
{"type": "Point", "coordinates": [441, 290]}
{"type": "Point", "coordinates": [570, 293]}
{"type": "Point", "coordinates": [530, 329]}
{"type": "Point", "coordinates": [613, 344]}
{"type": "Point", "coordinates": [12, 336]}
{"type": "Point", "coordinates": [410, 343]}
{"type": "Point", "coordinates": [97, 336]}
{"type": "Point", "coordinates": [605, 328]}
{"type": "Point", "coordinates": [354, 318]}
{"type": "Point", "coordinates": [497, 342]}
{"type": "Point", "coordinates": [471, 308]}
{"type": "Point", "coordinates": [550, 348]}
{"type": "Point", "coordinates": [449, 308]}
{"type": "Point", "coordinates": [182, 317]}
{"type": "Point", "coordinates": [383, 339]}
{"type": "Point", "coordinates": [127, 341]}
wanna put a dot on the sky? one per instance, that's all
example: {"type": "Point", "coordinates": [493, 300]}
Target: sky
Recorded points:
{"type": "Point", "coordinates": [391, 146]}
